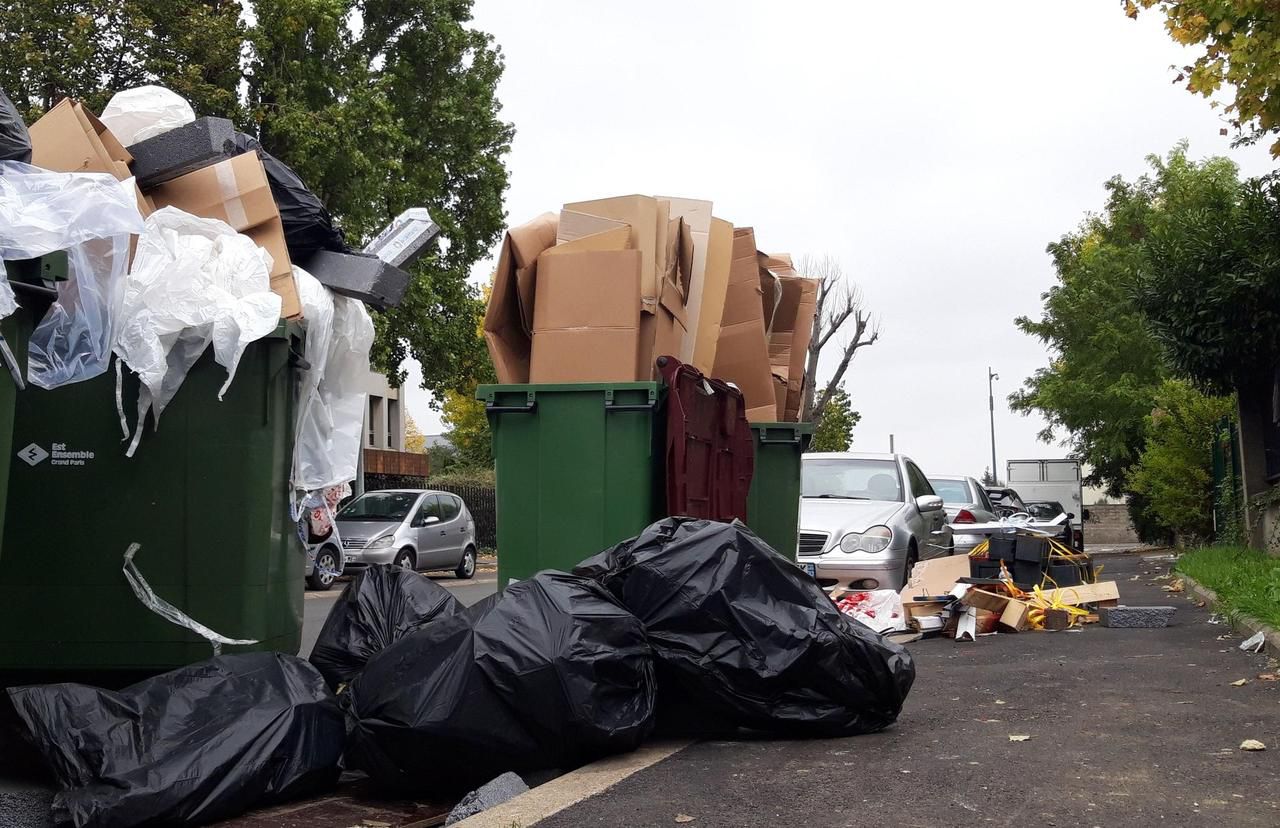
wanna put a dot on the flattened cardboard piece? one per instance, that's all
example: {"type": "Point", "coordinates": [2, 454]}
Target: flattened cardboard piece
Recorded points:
{"type": "Point", "coordinates": [642, 214]}
{"type": "Point", "coordinates": [70, 138]}
{"type": "Point", "coordinates": [709, 296]}
{"type": "Point", "coordinates": [935, 576]}
{"type": "Point", "coordinates": [617, 238]}
{"type": "Point", "coordinates": [742, 351]}
{"type": "Point", "coordinates": [505, 334]}
{"type": "Point", "coordinates": [586, 322]}
{"type": "Point", "coordinates": [697, 218]}
{"type": "Point", "coordinates": [574, 225]}
{"type": "Point", "coordinates": [237, 191]}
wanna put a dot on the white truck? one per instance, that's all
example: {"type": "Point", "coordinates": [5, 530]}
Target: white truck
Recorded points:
{"type": "Point", "coordinates": [1056, 481]}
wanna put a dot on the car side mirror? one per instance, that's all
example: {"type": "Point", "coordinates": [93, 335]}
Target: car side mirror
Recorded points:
{"type": "Point", "coordinates": [430, 519]}
{"type": "Point", "coordinates": [1071, 515]}
{"type": "Point", "coordinates": [928, 503]}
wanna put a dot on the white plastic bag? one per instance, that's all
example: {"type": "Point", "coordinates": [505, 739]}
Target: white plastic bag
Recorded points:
{"type": "Point", "coordinates": [879, 609]}
{"type": "Point", "coordinates": [144, 112]}
{"type": "Point", "coordinates": [91, 216]}
{"type": "Point", "coordinates": [8, 302]}
{"type": "Point", "coordinates": [194, 282]}
{"type": "Point", "coordinates": [332, 397]}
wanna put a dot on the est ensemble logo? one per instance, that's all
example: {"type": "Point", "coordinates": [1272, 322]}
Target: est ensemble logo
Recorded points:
{"type": "Point", "coordinates": [57, 455]}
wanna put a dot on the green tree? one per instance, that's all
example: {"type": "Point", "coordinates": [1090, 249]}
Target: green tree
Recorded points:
{"type": "Point", "coordinates": [834, 431]}
{"type": "Point", "coordinates": [378, 104]}
{"type": "Point", "coordinates": [988, 479]}
{"type": "Point", "coordinates": [1241, 53]}
{"type": "Point", "coordinates": [468, 429]}
{"type": "Point", "coordinates": [1174, 475]}
{"type": "Point", "coordinates": [1211, 287]}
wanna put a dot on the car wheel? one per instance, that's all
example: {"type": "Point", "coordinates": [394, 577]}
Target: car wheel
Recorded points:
{"type": "Point", "coordinates": [326, 569]}
{"type": "Point", "coordinates": [406, 559]}
{"type": "Point", "coordinates": [467, 569]}
{"type": "Point", "coordinates": [913, 558]}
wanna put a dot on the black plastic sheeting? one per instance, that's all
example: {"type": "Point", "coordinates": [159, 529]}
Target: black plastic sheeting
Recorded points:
{"type": "Point", "coordinates": [548, 674]}
{"type": "Point", "coordinates": [308, 226]}
{"type": "Point", "coordinates": [381, 605]}
{"type": "Point", "coordinates": [743, 636]}
{"type": "Point", "coordinates": [15, 143]}
{"type": "Point", "coordinates": [189, 747]}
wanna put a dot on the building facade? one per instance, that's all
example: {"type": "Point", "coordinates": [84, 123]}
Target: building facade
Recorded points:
{"type": "Point", "coordinates": [384, 415]}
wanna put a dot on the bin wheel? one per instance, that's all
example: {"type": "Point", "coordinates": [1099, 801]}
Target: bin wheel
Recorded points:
{"type": "Point", "coordinates": [467, 569]}
{"type": "Point", "coordinates": [407, 560]}
{"type": "Point", "coordinates": [325, 570]}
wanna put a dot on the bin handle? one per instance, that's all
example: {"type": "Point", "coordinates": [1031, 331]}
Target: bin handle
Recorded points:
{"type": "Point", "coordinates": [610, 405]}
{"type": "Point", "coordinates": [794, 439]}
{"type": "Point", "coordinates": [528, 408]}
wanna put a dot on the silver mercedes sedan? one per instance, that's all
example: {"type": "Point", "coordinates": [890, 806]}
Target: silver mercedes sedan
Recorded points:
{"type": "Point", "coordinates": [866, 519]}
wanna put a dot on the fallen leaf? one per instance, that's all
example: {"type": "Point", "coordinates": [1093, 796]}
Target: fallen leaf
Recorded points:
{"type": "Point", "coordinates": [1020, 737]}
{"type": "Point", "coordinates": [1240, 683]}
{"type": "Point", "coordinates": [1176, 586]}
{"type": "Point", "coordinates": [1198, 603]}
{"type": "Point", "coordinates": [683, 818]}
{"type": "Point", "coordinates": [1268, 677]}
{"type": "Point", "coordinates": [1252, 744]}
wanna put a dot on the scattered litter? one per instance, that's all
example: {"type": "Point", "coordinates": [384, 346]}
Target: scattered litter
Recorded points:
{"type": "Point", "coordinates": [1177, 586]}
{"type": "Point", "coordinates": [682, 818]}
{"type": "Point", "coordinates": [1252, 744]}
{"type": "Point", "coordinates": [1001, 701]}
{"type": "Point", "coordinates": [1020, 737]}
{"type": "Point", "coordinates": [1184, 702]}
{"type": "Point", "coordinates": [1254, 643]}
{"type": "Point", "coordinates": [1215, 619]}
{"type": "Point", "coordinates": [1239, 683]}
{"type": "Point", "coordinates": [1268, 677]}
{"type": "Point", "coordinates": [505, 787]}
{"type": "Point", "coordinates": [1197, 603]}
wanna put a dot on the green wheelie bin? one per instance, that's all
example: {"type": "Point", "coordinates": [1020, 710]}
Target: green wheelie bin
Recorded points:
{"type": "Point", "coordinates": [206, 496]}
{"type": "Point", "coordinates": [773, 502]}
{"type": "Point", "coordinates": [579, 468]}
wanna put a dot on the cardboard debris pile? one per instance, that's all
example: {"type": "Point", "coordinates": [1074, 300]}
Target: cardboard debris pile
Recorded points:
{"type": "Point", "coordinates": [600, 290]}
{"type": "Point", "coordinates": [958, 597]}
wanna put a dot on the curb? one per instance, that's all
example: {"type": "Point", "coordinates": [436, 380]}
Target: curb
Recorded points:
{"type": "Point", "coordinates": [1238, 621]}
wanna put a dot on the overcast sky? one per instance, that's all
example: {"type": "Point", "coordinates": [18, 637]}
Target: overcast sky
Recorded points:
{"type": "Point", "coordinates": [934, 148]}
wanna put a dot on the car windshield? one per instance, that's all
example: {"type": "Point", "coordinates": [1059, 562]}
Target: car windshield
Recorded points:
{"type": "Point", "coordinates": [849, 479]}
{"type": "Point", "coordinates": [1008, 500]}
{"type": "Point", "coordinates": [381, 506]}
{"type": "Point", "coordinates": [951, 491]}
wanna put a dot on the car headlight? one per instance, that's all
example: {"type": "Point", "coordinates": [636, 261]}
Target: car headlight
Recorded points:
{"type": "Point", "coordinates": [875, 539]}
{"type": "Point", "coordinates": [381, 543]}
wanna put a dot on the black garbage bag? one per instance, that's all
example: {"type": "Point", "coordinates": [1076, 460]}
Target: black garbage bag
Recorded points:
{"type": "Point", "coordinates": [308, 226]}
{"type": "Point", "coordinates": [15, 143]}
{"type": "Point", "coordinates": [548, 674]}
{"type": "Point", "coordinates": [189, 747]}
{"type": "Point", "coordinates": [380, 606]}
{"type": "Point", "coordinates": [743, 638]}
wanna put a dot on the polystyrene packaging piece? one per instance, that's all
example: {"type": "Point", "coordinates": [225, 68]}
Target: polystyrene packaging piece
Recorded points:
{"type": "Point", "coordinates": [140, 113]}
{"type": "Point", "coordinates": [743, 638]}
{"type": "Point", "coordinates": [91, 216]}
{"type": "Point", "coordinates": [332, 398]}
{"type": "Point", "coordinates": [194, 282]}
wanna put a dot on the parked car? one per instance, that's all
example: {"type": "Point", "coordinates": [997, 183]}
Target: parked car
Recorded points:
{"type": "Point", "coordinates": [965, 502]}
{"type": "Point", "coordinates": [418, 529]}
{"type": "Point", "coordinates": [324, 564]}
{"type": "Point", "coordinates": [1050, 509]}
{"type": "Point", "coordinates": [867, 519]}
{"type": "Point", "coordinates": [1006, 501]}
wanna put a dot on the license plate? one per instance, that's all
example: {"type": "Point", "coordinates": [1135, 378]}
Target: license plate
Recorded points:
{"type": "Point", "coordinates": [810, 569]}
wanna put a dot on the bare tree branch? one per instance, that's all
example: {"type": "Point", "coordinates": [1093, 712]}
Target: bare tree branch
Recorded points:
{"type": "Point", "coordinates": [838, 302]}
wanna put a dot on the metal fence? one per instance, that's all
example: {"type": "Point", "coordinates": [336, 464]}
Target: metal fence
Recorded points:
{"type": "Point", "coordinates": [482, 502]}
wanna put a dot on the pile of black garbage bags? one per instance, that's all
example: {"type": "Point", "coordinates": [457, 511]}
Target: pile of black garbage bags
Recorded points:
{"type": "Point", "coordinates": [693, 626]}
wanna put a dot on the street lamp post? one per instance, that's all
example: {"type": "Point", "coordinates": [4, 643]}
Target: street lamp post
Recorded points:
{"type": "Point", "coordinates": [991, 402]}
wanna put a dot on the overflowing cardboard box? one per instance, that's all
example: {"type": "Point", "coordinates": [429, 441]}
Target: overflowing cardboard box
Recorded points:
{"type": "Point", "coordinates": [236, 191]}
{"type": "Point", "coordinates": [70, 138]}
{"type": "Point", "coordinates": [507, 328]}
{"type": "Point", "coordinates": [794, 301]}
{"type": "Point", "coordinates": [742, 349]}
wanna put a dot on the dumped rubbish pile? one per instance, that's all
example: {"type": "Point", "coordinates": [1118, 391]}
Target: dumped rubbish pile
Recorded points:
{"type": "Point", "coordinates": [554, 671]}
{"type": "Point", "coordinates": [600, 290]}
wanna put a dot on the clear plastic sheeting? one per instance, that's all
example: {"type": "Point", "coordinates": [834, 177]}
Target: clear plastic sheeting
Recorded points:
{"type": "Point", "coordinates": [8, 302]}
{"type": "Point", "coordinates": [91, 216]}
{"type": "Point", "coordinates": [168, 611]}
{"type": "Point", "coordinates": [194, 282]}
{"type": "Point", "coordinates": [43, 211]}
{"type": "Point", "coordinates": [145, 112]}
{"type": "Point", "coordinates": [332, 397]}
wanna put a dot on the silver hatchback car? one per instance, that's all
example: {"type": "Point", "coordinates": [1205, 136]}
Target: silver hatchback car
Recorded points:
{"type": "Point", "coordinates": [867, 519]}
{"type": "Point", "coordinates": [414, 528]}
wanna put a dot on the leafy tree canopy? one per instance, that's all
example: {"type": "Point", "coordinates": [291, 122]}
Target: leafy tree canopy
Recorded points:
{"type": "Point", "coordinates": [834, 431]}
{"type": "Point", "coordinates": [379, 105]}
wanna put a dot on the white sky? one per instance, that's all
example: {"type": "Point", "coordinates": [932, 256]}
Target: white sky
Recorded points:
{"type": "Point", "coordinates": [934, 148]}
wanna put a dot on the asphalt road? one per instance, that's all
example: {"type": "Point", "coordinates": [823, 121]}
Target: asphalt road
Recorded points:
{"type": "Point", "coordinates": [1126, 727]}
{"type": "Point", "coordinates": [316, 606]}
